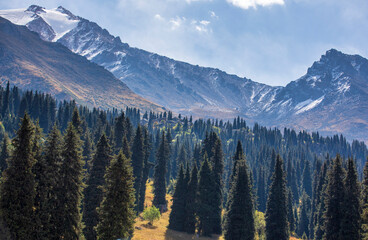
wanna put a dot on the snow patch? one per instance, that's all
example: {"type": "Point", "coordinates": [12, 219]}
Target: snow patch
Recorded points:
{"type": "Point", "coordinates": [310, 105]}
{"type": "Point", "coordinates": [60, 22]}
{"type": "Point", "coordinates": [18, 16]}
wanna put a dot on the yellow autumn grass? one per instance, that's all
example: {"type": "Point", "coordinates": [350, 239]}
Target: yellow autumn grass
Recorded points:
{"type": "Point", "coordinates": [159, 229]}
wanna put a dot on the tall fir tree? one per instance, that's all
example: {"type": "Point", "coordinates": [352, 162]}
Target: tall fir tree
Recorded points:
{"type": "Point", "coordinates": [119, 132]}
{"type": "Point", "coordinates": [116, 213]}
{"type": "Point", "coordinates": [276, 212]}
{"type": "Point", "coordinates": [350, 224]}
{"type": "Point", "coordinates": [333, 214]}
{"type": "Point", "coordinates": [159, 184]}
{"type": "Point", "coordinates": [307, 179]}
{"type": "Point", "coordinates": [87, 151]}
{"type": "Point", "coordinates": [320, 204]}
{"type": "Point", "coordinates": [146, 169]}
{"type": "Point", "coordinates": [364, 216]}
{"type": "Point", "coordinates": [4, 154]}
{"type": "Point", "coordinates": [218, 170]}
{"type": "Point", "coordinates": [71, 172]}
{"type": "Point", "coordinates": [52, 205]}
{"type": "Point", "coordinates": [138, 162]}
{"type": "Point", "coordinates": [303, 224]}
{"type": "Point", "coordinates": [93, 192]}
{"type": "Point", "coordinates": [191, 204]}
{"type": "Point", "coordinates": [239, 221]}
{"type": "Point", "coordinates": [177, 215]}
{"type": "Point", "coordinates": [206, 194]}
{"type": "Point", "coordinates": [291, 218]}
{"type": "Point", "coordinates": [18, 185]}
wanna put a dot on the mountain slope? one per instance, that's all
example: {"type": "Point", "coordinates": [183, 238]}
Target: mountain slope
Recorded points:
{"type": "Point", "coordinates": [179, 86]}
{"type": "Point", "coordinates": [330, 98]}
{"type": "Point", "coordinates": [29, 62]}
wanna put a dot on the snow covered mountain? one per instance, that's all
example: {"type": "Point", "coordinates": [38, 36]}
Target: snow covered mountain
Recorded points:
{"type": "Point", "coordinates": [330, 98]}
{"type": "Point", "coordinates": [179, 86]}
{"type": "Point", "coordinates": [31, 63]}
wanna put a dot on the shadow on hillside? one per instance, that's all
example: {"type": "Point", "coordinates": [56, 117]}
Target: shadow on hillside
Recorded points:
{"type": "Point", "coordinates": [174, 235]}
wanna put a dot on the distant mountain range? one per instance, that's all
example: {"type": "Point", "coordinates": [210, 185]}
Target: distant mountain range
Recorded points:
{"type": "Point", "coordinates": [29, 62]}
{"type": "Point", "coordinates": [331, 98]}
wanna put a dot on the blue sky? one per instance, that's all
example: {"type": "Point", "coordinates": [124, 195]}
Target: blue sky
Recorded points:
{"type": "Point", "coordinates": [269, 41]}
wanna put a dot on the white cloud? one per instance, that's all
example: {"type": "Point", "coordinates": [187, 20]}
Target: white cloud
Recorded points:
{"type": "Point", "coordinates": [245, 4]}
{"type": "Point", "coordinates": [201, 26]}
{"type": "Point", "coordinates": [213, 15]}
{"type": "Point", "coordinates": [176, 22]}
{"type": "Point", "coordinates": [159, 17]}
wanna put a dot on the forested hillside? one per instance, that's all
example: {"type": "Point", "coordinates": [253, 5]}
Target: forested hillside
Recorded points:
{"type": "Point", "coordinates": [94, 164]}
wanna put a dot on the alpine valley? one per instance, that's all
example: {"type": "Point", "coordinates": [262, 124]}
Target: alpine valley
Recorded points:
{"type": "Point", "coordinates": [332, 97]}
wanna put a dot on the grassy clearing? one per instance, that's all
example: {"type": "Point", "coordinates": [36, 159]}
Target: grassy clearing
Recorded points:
{"type": "Point", "coordinates": [159, 229]}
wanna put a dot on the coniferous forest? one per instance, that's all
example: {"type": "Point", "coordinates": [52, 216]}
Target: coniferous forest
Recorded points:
{"type": "Point", "coordinates": [70, 172]}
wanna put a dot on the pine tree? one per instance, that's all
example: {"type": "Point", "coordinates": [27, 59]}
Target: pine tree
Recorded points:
{"type": "Point", "coordinates": [116, 213]}
{"type": "Point", "coordinates": [261, 190]}
{"type": "Point", "coordinates": [291, 218]}
{"type": "Point", "coordinates": [218, 169]}
{"type": "Point", "coordinates": [119, 132]}
{"type": "Point", "coordinates": [4, 155]}
{"type": "Point", "coordinates": [364, 216]}
{"type": "Point", "coordinates": [76, 121]}
{"type": "Point", "coordinates": [319, 216]}
{"type": "Point", "coordinates": [18, 184]}
{"type": "Point", "coordinates": [87, 151]}
{"type": "Point", "coordinates": [53, 192]}
{"type": "Point", "coordinates": [146, 169]}
{"type": "Point", "coordinates": [303, 224]}
{"type": "Point", "coordinates": [239, 221]}
{"type": "Point", "coordinates": [206, 192]}
{"type": "Point", "coordinates": [191, 205]}
{"type": "Point", "coordinates": [137, 162]}
{"type": "Point", "coordinates": [159, 184]}
{"type": "Point", "coordinates": [307, 180]}
{"type": "Point", "coordinates": [41, 182]}
{"type": "Point", "coordinates": [276, 212]}
{"type": "Point", "coordinates": [177, 215]}
{"type": "Point", "coordinates": [93, 192]}
{"type": "Point", "coordinates": [71, 177]}
{"type": "Point", "coordinates": [350, 224]}
{"type": "Point", "coordinates": [334, 199]}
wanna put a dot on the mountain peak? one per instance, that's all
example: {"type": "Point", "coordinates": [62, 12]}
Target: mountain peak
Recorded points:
{"type": "Point", "coordinates": [35, 9]}
{"type": "Point", "coordinates": [67, 12]}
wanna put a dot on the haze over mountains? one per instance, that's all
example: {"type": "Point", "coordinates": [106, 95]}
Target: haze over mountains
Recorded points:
{"type": "Point", "coordinates": [331, 98]}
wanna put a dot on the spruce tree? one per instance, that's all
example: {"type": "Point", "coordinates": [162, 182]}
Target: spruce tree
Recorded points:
{"type": "Point", "coordinates": [319, 216]}
{"type": "Point", "coordinates": [76, 121]}
{"type": "Point", "coordinates": [119, 132]}
{"type": "Point", "coordinates": [116, 213]}
{"type": "Point", "coordinates": [206, 195]}
{"type": "Point", "coordinates": [4, 155]}
{"type": "Point", "coordinates": [276, 212]}
{"type": "Point", "coordinates": [191, 204]}
{"type": "Point", "coordinates": [125, 148]}
{"type": "Point", "coordinates": [364, 216]}
{"type": "Point", "coordinates": [146, 169]}
{"type": "Point", "coordinates": [52, 205]}
{"type": "Point", "coordinates": [71, 177]}
{"type": "Point", "coordinates": [87, 151]}
{"type": "Point", "coordinates": [350, 224]}
{"type": "Point", "coordinates": [177, 215]}
{"type": "Point", "coordinates": [239, 221]}
{"type": "Point", "coordinates": [18, 185]}
{"type": "Point", "coordinates": [291, 218]}
{"type": "Point", "coordinates": [93, 192]}
{"type": "Point", "coordinates": [137, 162]}
{"type": "Point", "coordinates": [307, 179]}
{"type": "Point", "coordinates": [334, 199]}
{"type": "Point", "coordinates": [218, 169]}
{"type": "Point", "coordinates": [159, 184]}
{"type": "Point", "coordinates": [303, 224]}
